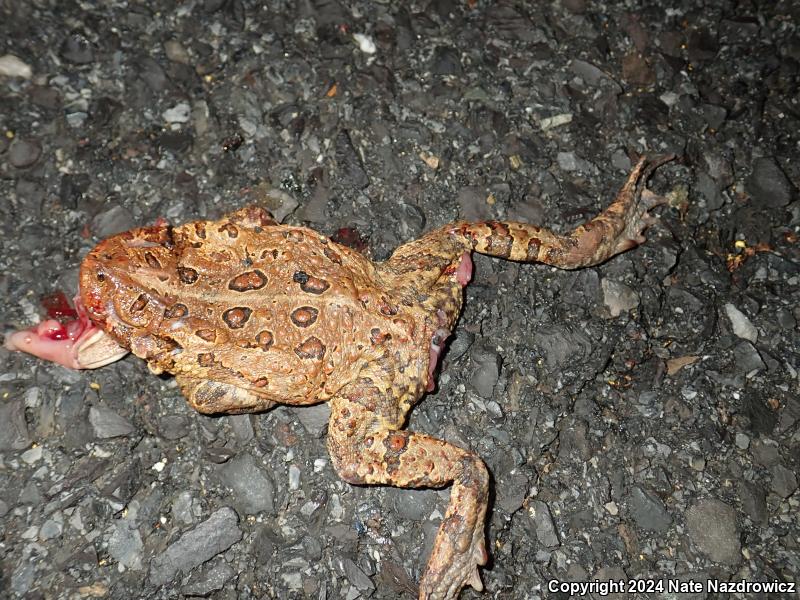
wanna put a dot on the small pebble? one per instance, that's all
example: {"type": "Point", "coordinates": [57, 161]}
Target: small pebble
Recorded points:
{"type": "Point", "coordinates": [24, 153]}
{"type": "Point", "coordinates": [698, 463]}
{"type": "Point", "coordinates": [11, 66]}
{"type": "Point", "coordinates": [33, 455]}
{"type": "Point", "coordinates": [77, 49]}
{"type": "Point", "coordinates": [365, 43]}
{"type": "Point", "coordinates": [177, 114]}
{"type": "Point", "coordinates": [742, 327]}
{"type": "Point", "coordinates": [294, 478]}
{"type": "Point", "coordinates": [176, 52]}
{"type": "Point", "coordinates": [618, 297]}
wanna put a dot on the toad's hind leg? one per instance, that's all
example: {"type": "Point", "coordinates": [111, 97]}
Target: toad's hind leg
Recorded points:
{"type": "Point", "coordinates": [618, 228]}
{"type": "Point", "coordinates": [365, 451]}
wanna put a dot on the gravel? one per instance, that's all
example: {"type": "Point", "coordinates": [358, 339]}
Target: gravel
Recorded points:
{"type": "Point", "coordinates": [639, 418]}
{"type": "Point", "coordinates": [211, 537]}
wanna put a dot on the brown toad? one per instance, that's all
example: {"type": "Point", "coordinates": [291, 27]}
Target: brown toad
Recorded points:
{"type": "Point", "coordinates": [247, 313]}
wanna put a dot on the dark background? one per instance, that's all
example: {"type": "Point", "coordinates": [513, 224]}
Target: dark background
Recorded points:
{"type": "Point", "coordinates": [640, 419]}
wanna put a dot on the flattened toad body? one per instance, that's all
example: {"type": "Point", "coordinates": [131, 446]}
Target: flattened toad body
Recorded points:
{"type": "Point", "coordinates": [247, 313]}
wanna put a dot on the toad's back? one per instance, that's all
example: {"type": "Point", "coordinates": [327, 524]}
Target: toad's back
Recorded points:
{"type": "Point", "coordinates": [279, 311]}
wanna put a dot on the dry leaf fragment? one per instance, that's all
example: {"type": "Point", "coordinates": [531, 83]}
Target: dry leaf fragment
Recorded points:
{"type": "Point", "coordinates": [676, 364]}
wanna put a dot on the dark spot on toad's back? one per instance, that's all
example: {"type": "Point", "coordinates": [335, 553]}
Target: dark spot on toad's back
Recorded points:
{"type": "Point", "coordinates": [248, 281]}
{"type": "Point", "coordinates": [312, 348]}
{"type": "Point", "coordinates": [230, 229]}
{"type": "Point", "coordinates": [305, 316]}
{"type": "Point", "coordinates": [236, 317]}
{"type": "Point", "coordinates": [264, 339]}
{"type": "Point", "coordinates": [309, 283]}
{"type": "Point", "coordinates": [187, 275]}
{"type": "Point", "coordinates": [176, 311]}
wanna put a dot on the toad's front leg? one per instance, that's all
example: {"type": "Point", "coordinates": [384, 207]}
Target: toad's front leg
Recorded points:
{"type": "Point", "coordinates": [364, 450]}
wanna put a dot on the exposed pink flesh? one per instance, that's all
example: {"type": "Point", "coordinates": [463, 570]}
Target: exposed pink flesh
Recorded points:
{"type": "Point", "coordinates": [62, 343]}
{"type": "Point", "coordinates": [464, 270]}
{"type": "Point", "coordinates": [53, 341]}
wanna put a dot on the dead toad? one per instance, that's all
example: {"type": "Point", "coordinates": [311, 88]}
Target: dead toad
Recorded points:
{"type": "Point", "coordinates": [247, 313]}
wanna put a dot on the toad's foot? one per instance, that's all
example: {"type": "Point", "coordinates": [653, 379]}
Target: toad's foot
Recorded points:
{"type": "Point", "coordinates": [364, 454]}
{"type": "Point", "coordinates": [460, 546]}
{"type": "Point", "coordinates": [77, 344]}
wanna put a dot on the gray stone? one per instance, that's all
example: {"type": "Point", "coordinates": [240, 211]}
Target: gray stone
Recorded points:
{"type": "Point", "coordinates": [348, 161]}
{"type": "Point", "coordinates": [512, 491]}
{"type": "Point", "coordinates": [648, 511]}
{"type": "Point", "coordinates": [50, 529]}
{"type": "Point", "coordinates": [414, 505]}
{"type": "Point", "coordinates": [22, 578]}
{"type": "Point", "coordinates": [279, 203]}
{"type": "Point", "coordinates": [176, 52]}
{"type": "Point", "coordinates": [125, 544]}
{"type": "Point", "coordinates": [618, 297]}
{"type": "Point", "coordinates": [765, 452]}
{"type": "Point", "coordinates": [591, 74]}
{"type": "Point", "coordinates": [30, 494]}
{"type": "Point", "coordinates": [543, 524]}
{"type": "Point", "coordinates": [747, 357]}
{"type": "Point", "coordinates": [114, 220]}
{"type": "Point", "coordinates": [711, 525]}
{"type": "Point", "coordinates": [108, 424]}
{"type": "Point", "coordinates": [784, 481]}
{"type": "Point", "coordinates": [185, 508]}
{"type": "Point", "coordinates": [24, 153]}
{"type": "Point", "coordinates": [611, 574]}
{"type": "Point", "coordinates": [211, 537]}
{"type": "Point", "coordinates": [314, 418]}
{"type": "Point", "coordinates": [742, 327]}
{"type": "Point", "coordinates": [472, 205]}
{"type": "Point", "coordinates": [173, 427]}
{"type": "Point", "coordinates": [13, 66]}
{"type": "Point", "coordinates": [768, 184]}
{"type": "Point", "coordinates": [569, 161]}
{"type": "Point", "coordinates": [709, 189]}
{"type": "Point", "coordinates": [356, 576]}
{"type": "Point", "coordinates": [253, 492]}
{"type": "Point", "coordinates": [215, 579]}
{"type": "Point", "coordinates": [742, 441]}
{"type": "Point", "coordinates": [446, 61]}
{"type": "Point", "coordinates": [486, 369]}
{"type": "Point", "coordinates": [178, 113]}
{"type": "Point", "coordinates": [152, 74]}
{"type": "Point", "coordinates": [719, 168]}
{"type": "Point", "coordinates": [242, 426]}
{"type": "Point", "coordinates": [77, 49]}
{"type": "Point", "coordinates": [14, 432]}
{"type": "Point", "coordinates": [560, 346]}
{"type": "Point", "coordinates": [754, 501]}
{"type": "Point", "coordinates": [458, 345]}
